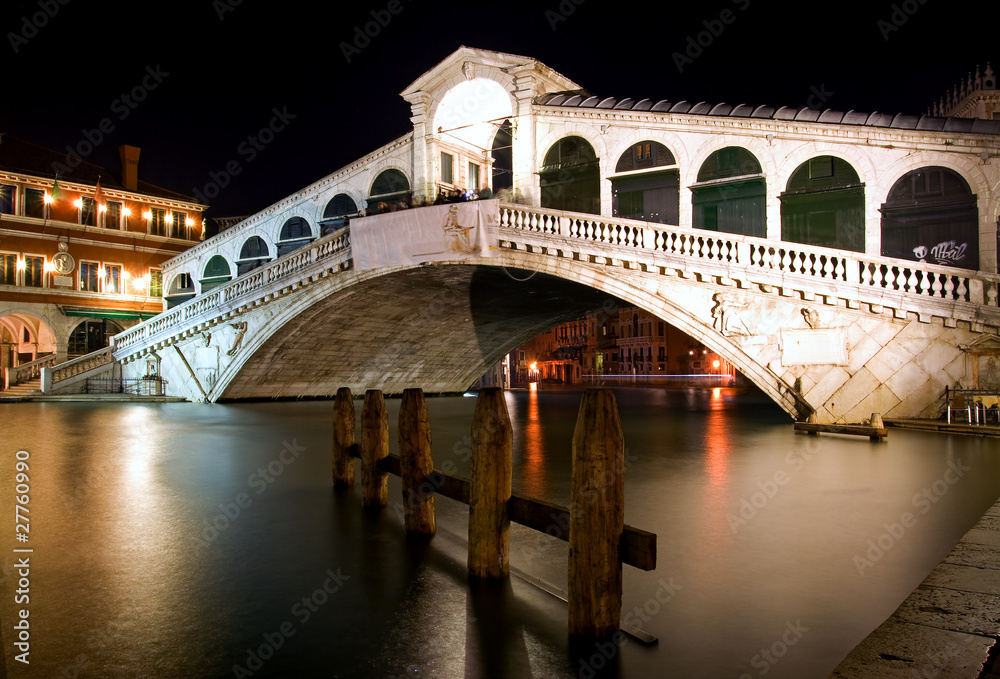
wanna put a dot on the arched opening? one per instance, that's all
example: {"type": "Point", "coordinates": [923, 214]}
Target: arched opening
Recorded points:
{"type": "Point", "coordinates": [91, 335]}
{"type": "Point", "coordinates": [252, 255]}
{"type": "Point", "coordinates": [465, 127]}
{"type": "Point", "coordinates": [570, 177]}
{"type": "Point", "coordinates": [217, 272]}
{"type": "Point", "coordinates": [824, 204]}
{"type": "Point", "coordinates": [24, 338]}
{"type": "Point", "coordinates": [336, 214]}
{"type": "Point", "coordinates": [390, 190]}
{"type": "Point", "coordinates": [730, 194]}
{"type": "Point", "coordinates": [502, 153]}
{"type": "Point", "coordinates": [646, 184]}
{"type": "Point", "coordinates": [180, 290]}
{"type": "Point", "coordinates": [932, 215]}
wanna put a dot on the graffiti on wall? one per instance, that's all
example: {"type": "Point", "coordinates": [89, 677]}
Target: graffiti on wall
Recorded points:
{"type": "Point", "coordinates": [946, 253]}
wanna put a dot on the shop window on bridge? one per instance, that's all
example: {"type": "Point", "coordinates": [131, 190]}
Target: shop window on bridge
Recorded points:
{"type": "Point", "coordinates": [730, 194]}
{"type": "Point", "coordinates": [824, 204]}
{"type": "Point", "coordinates": [295, 233]}
{"type": "Point", "coordinates": [932, 215]}
{"type": "Point", "coordinates": [338, 213]}
{"type": "Point", "coordinates": [181, 290]}
{"type": "Point", "coordinates": [571, 177]}
{"type": "Point", "coordinates": [390, 190]}
{"type": "Point", "coordinates": [252, 255]}
{"type": "Point", "coordinates": [91, 336]}
{"type": "Point", "coordinates": [217, 272]}
{"type": "Point", "coordinates": [646, 184]}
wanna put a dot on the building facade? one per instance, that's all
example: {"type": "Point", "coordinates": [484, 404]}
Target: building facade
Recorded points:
{"type": "Point", "coordinates": [81, 251]}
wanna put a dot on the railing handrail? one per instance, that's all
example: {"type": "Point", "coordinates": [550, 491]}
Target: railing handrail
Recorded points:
{"type": "Point", "coordinates": [84, 363]}
{"type": "Point", "coordinates": [804, 262]}
{"type": "Point", "coordinates": [283, 267]}
{"type": "Point", "coordinates": [768, 262]}
{"type": "Point", "coordinates": [28, 371]}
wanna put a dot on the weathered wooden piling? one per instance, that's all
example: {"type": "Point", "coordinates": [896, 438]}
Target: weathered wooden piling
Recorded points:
{"type": "Point", "coordinates": [343, 438]}
{"type": "Point", "coordinates": [374, 448]}
{"type": "Point", "coordinates": [490, 486]}
{"type": "Point", "coordinates": [416, 465]}
{"type": "Point", "coordinates": [597, 518]}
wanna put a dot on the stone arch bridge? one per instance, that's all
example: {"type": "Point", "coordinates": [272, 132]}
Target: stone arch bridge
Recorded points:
{"type": "Point", "coordinates": [831, 334]}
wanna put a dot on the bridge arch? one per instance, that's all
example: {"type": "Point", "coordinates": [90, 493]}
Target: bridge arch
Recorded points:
{"type": "Point", "coordinates": [254, 252]}
{"type": "Point", "coordinates": [475, 312]}
{"type": "Point", "coordinates": [597, 142]}
{"type": "Point", "coordinates": [217, 271]}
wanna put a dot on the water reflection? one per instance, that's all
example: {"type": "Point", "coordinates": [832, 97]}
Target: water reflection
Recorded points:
{"type": "Point", "coordinates": [126, 498]}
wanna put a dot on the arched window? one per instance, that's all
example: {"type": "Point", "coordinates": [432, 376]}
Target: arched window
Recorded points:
{"type": "Point", "coordinates": [571, 177]}
{"type": "Point", "coordinates": [338, 212]}
{"type": "Point", "coordinates": [390, 187]}
{"type": "Point", "coordinates": [647, 184]}
{"type": "Point", "coordinates": [730, 194]}
{"type": "Point", "coordinates": [295, 233]}
{"type": "Point", "coordinates": [91, 336]}
{"type": "Point", "coordinates": [181, 290]}
{"type": "Point", "coordinates": [217, 272]}
{"type": "Point", "coordinates": [932, 215]}
{"type": "Point", "coordinates": [824, 204]}
{"type": "Point", "coordinates": [252, 255]}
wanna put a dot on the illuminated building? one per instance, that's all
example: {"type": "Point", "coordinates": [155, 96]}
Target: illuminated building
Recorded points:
{"type": "Point", "coordinates": [81, 249]}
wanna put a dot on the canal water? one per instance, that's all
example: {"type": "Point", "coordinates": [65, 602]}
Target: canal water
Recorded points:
{"type": "Point", "coordinates": [197, 540]}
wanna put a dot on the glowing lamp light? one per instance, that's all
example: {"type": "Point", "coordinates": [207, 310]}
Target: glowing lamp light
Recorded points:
{"type": "Point", "coordinates": [102, 208]}
{"type": "Point", "coordinates": [127, 212]}
{"type": "Point", "coordinates": [48, 267]}
{"type": "Point", "coordinates": [715, 364]}
{"type": "Point", "coordinates": [49, 199]}
{"type": "Point", "coordinates": [21, 264]}
{"type": "Point", "coordinates": [148, 215]}
{"type": "Point", "coordinates": [78, 203]}
{"type": "Point", "coordinates": [189, 222]}
{"type": "Point", "coordinates": [169, 218]}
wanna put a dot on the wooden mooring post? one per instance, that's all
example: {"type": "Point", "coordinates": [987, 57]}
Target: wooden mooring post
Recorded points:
{"type": "Point", "coordinates": [597, 519]}
{"type": "Point", "coordinates": [415, 464]}
{"type": "Point", "coordinates": [594, 526]}
{"type": "Point", "coordinates": [343, 439]}
{"type": "Point", "coordinates": [374, 448]}
{"type": "Point", "coordinates": [490, 486]}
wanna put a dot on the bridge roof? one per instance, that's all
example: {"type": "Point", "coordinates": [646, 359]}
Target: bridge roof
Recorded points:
{"type": "Point", "coordinates": [899, 121]}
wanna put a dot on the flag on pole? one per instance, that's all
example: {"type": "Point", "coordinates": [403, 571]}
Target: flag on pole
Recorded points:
{"type": "Point", "coordinates": [98, 197]}
{"type": "Point", "coordinates": [56, 191]}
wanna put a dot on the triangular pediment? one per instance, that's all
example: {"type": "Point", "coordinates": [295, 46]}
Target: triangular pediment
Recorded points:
{"type": "Point", "coordinates": [983, 345]}
{"type": "Point", "coordinates": [466, 61]}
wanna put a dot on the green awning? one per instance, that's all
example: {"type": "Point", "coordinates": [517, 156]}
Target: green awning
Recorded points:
{"type": "Point", "coordinates": [123, 314]}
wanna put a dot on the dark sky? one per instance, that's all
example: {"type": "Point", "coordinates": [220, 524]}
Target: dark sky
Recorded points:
{"type": "Point", "coordinates": [213, 73]}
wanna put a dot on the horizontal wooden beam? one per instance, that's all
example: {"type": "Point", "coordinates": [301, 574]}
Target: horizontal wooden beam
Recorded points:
{"type": "Point", "coordinates": [638, 547]}
{"type": "Point", "coordinates": [851, 429]}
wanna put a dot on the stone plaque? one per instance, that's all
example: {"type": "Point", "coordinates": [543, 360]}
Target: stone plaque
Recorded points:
{"type": "Point", "coordinates": [63, 281]}
{"type": "Point", "coordinates": [826, 346]}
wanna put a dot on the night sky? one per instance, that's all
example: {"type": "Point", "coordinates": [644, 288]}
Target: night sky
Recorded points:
{"type": "Point", "coordinates": [212, 74]}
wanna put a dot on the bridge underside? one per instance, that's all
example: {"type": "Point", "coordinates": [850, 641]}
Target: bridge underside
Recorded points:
{"type": "Point", "coordinates": [435, 327]}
